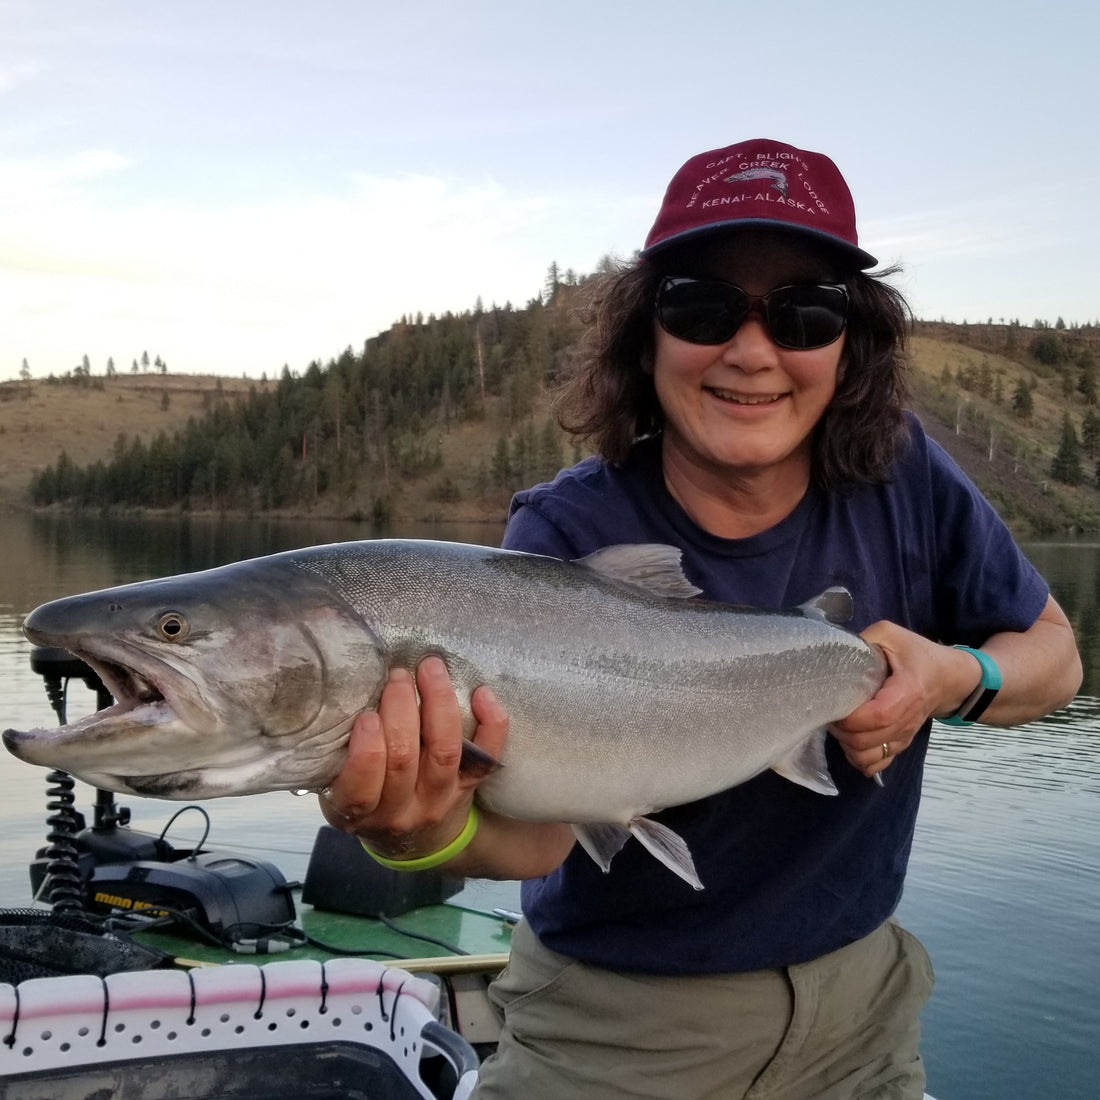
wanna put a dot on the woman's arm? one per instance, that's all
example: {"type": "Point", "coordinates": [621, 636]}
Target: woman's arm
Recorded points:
{"type": "Point", "coordinates": [1040, 668]}
{"type": "Point", "coordinates": [402, 793]}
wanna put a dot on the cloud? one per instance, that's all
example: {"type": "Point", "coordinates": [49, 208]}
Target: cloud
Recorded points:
{"type": "Point", "coordinates": [15, 73]}
{"type": "Point", "coordinates": [1010, 224]}
{"type": "Point", "coordinates": [247, 286]}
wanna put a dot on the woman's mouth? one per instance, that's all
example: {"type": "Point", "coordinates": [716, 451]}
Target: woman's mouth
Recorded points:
{"type": "Point", "coordinates": [745, 398]}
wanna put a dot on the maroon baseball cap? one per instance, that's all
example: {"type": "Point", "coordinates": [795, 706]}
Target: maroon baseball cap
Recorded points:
{"type": "Point", "coordinates": [764, 183]}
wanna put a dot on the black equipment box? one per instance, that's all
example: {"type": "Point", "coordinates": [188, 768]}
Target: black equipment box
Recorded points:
{"type": "Point", "coordinates": [342, 878]}
{"type": "Point", "coordinates": [218, 889]}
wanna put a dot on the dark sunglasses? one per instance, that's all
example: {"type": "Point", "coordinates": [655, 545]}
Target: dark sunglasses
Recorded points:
{"type": "Point", "coordinates": [709, 311]}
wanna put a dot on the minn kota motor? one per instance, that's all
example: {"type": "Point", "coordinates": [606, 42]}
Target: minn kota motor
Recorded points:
{"type": "Point", "coordinates": [110, 867]}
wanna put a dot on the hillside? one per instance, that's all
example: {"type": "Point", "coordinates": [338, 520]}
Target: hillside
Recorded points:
{"type": "Point", "coordinates": [464, 458]}
{"type": "Point", "coordinates": [39, 419]}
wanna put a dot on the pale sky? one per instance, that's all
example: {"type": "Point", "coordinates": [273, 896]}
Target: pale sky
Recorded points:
{"type": "Point", "coordinates": [235, 185]}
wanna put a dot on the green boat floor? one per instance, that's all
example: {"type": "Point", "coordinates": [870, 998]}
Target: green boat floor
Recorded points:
{"type": "Point", "coordinates": [331, 935]}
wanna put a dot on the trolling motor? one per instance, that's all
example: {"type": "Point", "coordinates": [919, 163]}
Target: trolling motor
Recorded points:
{"type": "Point", "coordinates": [109, 867]}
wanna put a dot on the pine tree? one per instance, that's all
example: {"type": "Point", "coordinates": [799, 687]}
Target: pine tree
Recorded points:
{"type": "Point", "coordinates": [1090, 434]}
{"type": "Point", "coordinates": [1086, 383]}
{"type": "Point", "coordinates": [1066, 466]}
{"type": "Point", "coordinates": [1022, 402]}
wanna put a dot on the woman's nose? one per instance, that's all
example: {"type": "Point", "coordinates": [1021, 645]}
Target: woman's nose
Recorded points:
{"type": "Point", "coordinates": [751, 347]}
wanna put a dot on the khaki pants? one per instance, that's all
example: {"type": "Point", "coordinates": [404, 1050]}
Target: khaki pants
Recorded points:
{"type": "Point", "coordinates": [840, 1027]}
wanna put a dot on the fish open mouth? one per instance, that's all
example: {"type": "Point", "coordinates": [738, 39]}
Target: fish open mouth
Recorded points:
{"type": "Point", "coordinates": [129, 687]}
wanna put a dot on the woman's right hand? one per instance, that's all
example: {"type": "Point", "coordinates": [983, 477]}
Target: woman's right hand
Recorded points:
{"type": "Point", "coordinates": [400, 789]}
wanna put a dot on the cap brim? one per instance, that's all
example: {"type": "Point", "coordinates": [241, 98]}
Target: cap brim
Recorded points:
{"type": "Point", "coordinates": [848, 252]}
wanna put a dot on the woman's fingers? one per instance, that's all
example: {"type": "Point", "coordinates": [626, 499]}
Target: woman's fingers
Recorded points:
{"type": "Point", "coordinates": [440, 728]}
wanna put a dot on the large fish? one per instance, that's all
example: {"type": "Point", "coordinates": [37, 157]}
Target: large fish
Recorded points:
{"type": "Point", "coordinates": [625, 694]}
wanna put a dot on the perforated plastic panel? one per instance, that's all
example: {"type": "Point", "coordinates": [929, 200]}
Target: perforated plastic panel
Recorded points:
{"type": "Point", "coordinates": [357, 1029]}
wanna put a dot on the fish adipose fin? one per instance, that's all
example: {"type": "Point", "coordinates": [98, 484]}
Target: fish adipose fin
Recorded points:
{"type": "Point", "coordinates": [806, 765]}
{"type": "Point", "coordinates": [603, 841]}
{"type": "Point", "coordinates": [650, 566]}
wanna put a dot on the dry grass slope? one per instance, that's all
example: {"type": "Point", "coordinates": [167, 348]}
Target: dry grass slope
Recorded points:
{"type": "Point", "coordinates": [39, 419]}
{"type": "Point", "coordinates": [1010, 460]}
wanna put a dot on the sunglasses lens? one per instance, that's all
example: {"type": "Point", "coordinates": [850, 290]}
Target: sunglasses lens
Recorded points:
{"type": "Point", "coordinates": [707, 311]}
{"type": "Point", "coordinates": [804, 317]}
{"type": "Point", "coordinates": [701, 311]}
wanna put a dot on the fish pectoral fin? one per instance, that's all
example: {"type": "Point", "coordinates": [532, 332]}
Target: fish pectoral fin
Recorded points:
{"type": "Point", "coordinates": [602, 841]}
{"type": "Point", "coordinates": [668, 847]}
{"type": "Point", "coordinates": [651, 566]}
{"type": "Point", "coordinates": [477, 762]}
{"type": "Point", "coordinates": [806, 765]}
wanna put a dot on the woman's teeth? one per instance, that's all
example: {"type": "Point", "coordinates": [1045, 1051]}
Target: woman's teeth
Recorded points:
{"type": "Point", "coordinates": [743, 399]}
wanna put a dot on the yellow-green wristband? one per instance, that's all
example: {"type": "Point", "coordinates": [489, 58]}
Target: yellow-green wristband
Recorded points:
{"type": "Point", "coordinates": [435, 859]}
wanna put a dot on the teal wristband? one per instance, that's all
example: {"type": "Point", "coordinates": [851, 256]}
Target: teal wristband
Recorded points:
{"type": "Point", "coordinates": [435, 859]}
{"type": "Point", "coordinates": [975, 704]}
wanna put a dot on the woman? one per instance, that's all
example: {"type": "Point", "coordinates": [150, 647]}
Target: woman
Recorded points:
{"type": "Point", "coordinates": [743, 386]}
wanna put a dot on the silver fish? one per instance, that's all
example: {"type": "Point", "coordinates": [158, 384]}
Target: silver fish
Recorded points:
{"type": "Point", "coordinates": [625, 693]}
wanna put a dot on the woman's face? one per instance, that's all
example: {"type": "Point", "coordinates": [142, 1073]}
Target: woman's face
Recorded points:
{"type": "Point", "coordinates": [745, 406]}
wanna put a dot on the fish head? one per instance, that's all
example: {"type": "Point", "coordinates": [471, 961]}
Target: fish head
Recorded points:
{"type": "Point", "coordinates": [232, 681]}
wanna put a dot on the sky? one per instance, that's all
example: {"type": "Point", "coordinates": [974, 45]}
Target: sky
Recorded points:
{"type": "Point", "coordinates": [236, 186]}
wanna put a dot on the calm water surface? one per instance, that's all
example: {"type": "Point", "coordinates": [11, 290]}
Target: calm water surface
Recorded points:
{"type": "Point", "coordinates": [1004, 886]}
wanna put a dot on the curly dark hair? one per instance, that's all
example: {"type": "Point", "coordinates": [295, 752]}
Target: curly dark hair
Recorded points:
{"type": "Point", "coordinates": [607, 397]}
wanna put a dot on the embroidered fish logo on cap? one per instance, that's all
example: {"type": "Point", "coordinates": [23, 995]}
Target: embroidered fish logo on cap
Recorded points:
{"type": "Point", "coordinates": [777, 177]}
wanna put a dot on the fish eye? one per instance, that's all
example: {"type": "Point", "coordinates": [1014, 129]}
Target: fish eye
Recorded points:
{"type": "Point", "coordinates": [172, 626]}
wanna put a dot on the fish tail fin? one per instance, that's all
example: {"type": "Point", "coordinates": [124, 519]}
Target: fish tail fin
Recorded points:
{"type": "Point", "coordinates": [602, 842]}
{"type": "Point", "coordinates": [668, 847]}
{"type": "Point", "coordinates": [806, 765]}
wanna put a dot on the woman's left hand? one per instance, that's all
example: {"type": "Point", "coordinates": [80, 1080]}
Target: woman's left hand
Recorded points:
{"type": "Point", "coordinates": [921, 676]}
{"type": "Point", "coordinates": [1040, 668]}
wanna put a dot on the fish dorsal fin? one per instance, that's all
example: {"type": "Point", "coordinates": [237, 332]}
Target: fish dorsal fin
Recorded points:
{"type": "Point", "coordinates": [834, 605]}
{"type": "Point", "coordinates": [650, 566]}
{"type": "Point", "coordinates": [806, 765]}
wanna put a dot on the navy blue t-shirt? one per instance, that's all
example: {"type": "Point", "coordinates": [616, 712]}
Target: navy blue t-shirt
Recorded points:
{"type": "Point", "coordinates": [790, 874]}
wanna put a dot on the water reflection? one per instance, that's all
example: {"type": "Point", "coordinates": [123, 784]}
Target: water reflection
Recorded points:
{"type": "Point", "coordinates": [1004, 886]}
{"type": "Point", "coordinates": [1072, 570]}
{"type": "Point", "coordinates": [46, 556]}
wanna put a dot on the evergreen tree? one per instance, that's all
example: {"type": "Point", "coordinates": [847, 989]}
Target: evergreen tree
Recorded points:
{"type": "Point", "coordinates": [1048, 349]}
{"type": "Point", "coordinates": [1066, 466]}
{"type": "Point", "coordinates": [1090, 434]}
{"type": "Point", "coordinates": [549, 452]}
{"type": "Point", "coordinates": [1022, 402]}
{"type": "Point", "coordinates": [1086, 383]}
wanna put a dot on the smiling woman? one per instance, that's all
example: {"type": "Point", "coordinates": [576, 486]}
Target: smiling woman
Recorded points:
{"type": "Point", "coordinates": [743, 414]}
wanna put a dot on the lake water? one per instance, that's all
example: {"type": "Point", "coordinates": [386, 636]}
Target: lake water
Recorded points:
{"type": "Point", "coordinates": [1004, 886]}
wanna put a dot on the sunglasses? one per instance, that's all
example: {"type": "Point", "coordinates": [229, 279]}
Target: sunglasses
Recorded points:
{"type": "Point", "coordinates": [709, 311]}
